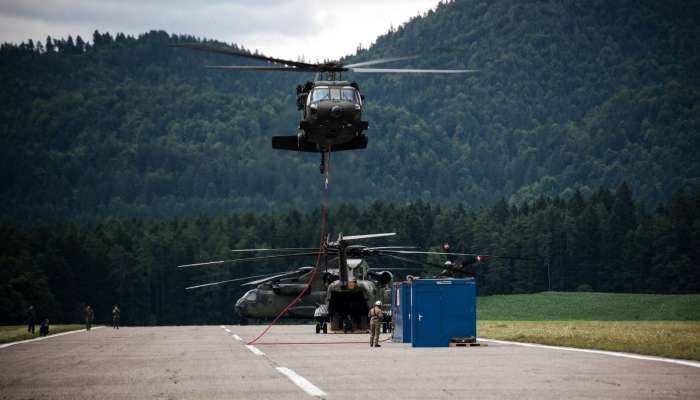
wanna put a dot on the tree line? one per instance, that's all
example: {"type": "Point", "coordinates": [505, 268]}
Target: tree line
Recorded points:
{"type": "Point", "coordinates": [570, 96]}
{"type": "Point", "coordinates": [604, 242]}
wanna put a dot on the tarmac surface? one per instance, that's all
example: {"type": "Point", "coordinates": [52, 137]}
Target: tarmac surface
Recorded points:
{"type": "Point", "coordinates": [209, 362]}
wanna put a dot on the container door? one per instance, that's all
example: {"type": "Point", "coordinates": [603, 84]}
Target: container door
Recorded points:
{"type": "Point", "coordinates": [426, 318]}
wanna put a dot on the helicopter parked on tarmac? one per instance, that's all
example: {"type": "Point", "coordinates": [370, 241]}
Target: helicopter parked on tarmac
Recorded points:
{"type": "Point", "coordinates": [341, 293]}
{"type": "Point", "coordinates": [331, 107]}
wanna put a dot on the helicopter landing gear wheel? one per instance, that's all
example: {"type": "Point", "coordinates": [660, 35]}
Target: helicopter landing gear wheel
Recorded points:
{"type": "Point", "coordinates": [325, 327]}
{"type": "Point", "coordinates": [318, 328]}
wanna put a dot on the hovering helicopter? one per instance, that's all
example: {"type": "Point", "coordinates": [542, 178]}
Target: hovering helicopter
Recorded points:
{"type": "Point", "coordinates": [331, 108]}
{"type": "Point", "coordinates": [337, 294]}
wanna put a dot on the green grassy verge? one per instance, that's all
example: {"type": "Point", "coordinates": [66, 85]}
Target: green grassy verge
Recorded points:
{"type": "Point", "coordinates": [13, 333]}
{"type": "Point", "coordinates": [676, 339]}
{"type": "Point", "coordinates": [558, 306]}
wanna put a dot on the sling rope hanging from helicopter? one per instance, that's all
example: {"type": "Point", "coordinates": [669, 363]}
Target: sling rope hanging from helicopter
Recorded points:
{"type": "Point", "coordinates": [324, 220]}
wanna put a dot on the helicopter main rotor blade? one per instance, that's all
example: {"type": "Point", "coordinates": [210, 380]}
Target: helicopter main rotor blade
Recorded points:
{"type": "Point", "coordinates": [277, 249]}
{"type": "Point", "coordinates": [368, 236]}
{"type": "Point", "coordinates": [438, 266]}
{"type": "Point", "coordinates": [276, 276]}
{"type": "Point", "coordinates": [442, 253]}
{"type": "Point", "coordinates": [412, 71]}
{"type": "Point", "coordinates": [382, 61]}
{"type": "Point", "coordinates": [236, 260]}
{"type": "Point", "coordinates": [255, 68]}
{"type": "Point", "coordinates": [410, 261]}
{"type": "Point", "coordinates": [226, 281]}
{"type": "Point", "coordinates": [390, 248]}
{"type": "Point", "coordinates": [234, 52]}
{"type": "Point", "coordinates": [482, 256]}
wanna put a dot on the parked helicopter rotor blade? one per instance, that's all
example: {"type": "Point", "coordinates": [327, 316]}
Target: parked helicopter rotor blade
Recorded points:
{"type": "Point", "coordinates": [255, 68]}
{"type": "Point", "coordinates": [368, 236]}
{"type": "Point", "coordinates": [432, 265]}
{"type": "Point", "coordinates": [390, 248]}
{"type": "Point", "coordinates": [236, 260]}
{"type": "Point", "coordinates": [442, 253]}
{"type": "Point", "coordinates": [276, 276]}
{"type": "Point", "coordinates": [412, 71]}
{"type": "Point", "coordinates": [235, 52]}
{"type": "Point", "coordinates": [410, 261]}
{"type": "Point", "coordinates": [226, 281]}
{"type": "Point", "coordinates": [483, 257]}
{"type": "Point", "coordinates": [276, 249]}
{"type": "Point", "coordinates": [382, 61]}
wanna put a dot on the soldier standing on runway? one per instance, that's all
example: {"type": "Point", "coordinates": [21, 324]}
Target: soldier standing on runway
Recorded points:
{"type": "Point", "coordinates": [375, 322]}
{"type": "Point", "coordinates": [89, 316]}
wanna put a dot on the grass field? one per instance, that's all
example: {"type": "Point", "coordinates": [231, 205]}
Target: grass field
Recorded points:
{"type": "Point", "coordinates": [676, 339]}
{"type": "Point", "coordinates": [557, 306]}
{"type": "Point", "coordinates": [13, 333]}
{"type": "Point", "coordinates": [659, 325]}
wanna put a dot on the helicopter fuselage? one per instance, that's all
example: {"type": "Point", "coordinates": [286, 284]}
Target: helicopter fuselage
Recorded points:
{"type": "Point", "coordinates": [331, 119]}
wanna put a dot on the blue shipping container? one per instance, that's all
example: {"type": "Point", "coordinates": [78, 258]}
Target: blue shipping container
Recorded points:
{"type": "Point", "coordinates": [442, 309]}
{"type": "Point", "coordinates": [401, 312]}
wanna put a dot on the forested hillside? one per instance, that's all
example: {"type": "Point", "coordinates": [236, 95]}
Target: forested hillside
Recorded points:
{"type": "Point", "coordinates": [571, 95]}
{"type": "Point", "coordinates": [606, 244]}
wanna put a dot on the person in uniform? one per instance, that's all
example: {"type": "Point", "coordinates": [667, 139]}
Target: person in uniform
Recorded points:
{"type": "Point", "coordinates": [89, 316]}
{"type": "Point", "coordinates": [375, 322]}
{"type": "Point", "coordinates": [44, 327]}
{"type": "Point", "coordinates": [31, 319]}
{"type": "Point", "coordinates": [116, 314]}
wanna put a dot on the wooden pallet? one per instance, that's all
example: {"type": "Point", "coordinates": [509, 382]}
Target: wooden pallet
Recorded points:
{"type": "Point", "coordinates": [475, 344]}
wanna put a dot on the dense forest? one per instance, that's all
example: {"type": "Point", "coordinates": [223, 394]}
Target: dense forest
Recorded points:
{"type": "Point", "coordinates": [606, 242]}
{"type": "Point", "coordinates": [572, 95]}
{"type": "Point", "coordinates": [576, 144]}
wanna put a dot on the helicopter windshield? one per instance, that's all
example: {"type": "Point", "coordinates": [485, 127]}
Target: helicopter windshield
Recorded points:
{"type": "Point", "coordinates": [346, 93]}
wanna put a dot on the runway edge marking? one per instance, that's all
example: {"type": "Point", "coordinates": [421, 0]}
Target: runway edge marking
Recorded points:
{"type": "Point", "coordinates": [255, 350]}
{"type": "Point", "coordinates": [237, 337]}
{"type": "Point", "coordinates": [302, 382]}
{"type": "Point", "coordinates": [2, 346]}
{"type": "Point", "coordinates": [686, 363]}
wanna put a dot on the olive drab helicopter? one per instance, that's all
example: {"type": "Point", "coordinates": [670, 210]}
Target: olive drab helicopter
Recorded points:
{"type": "Point", "coordinates": [345, 290]}
{"type": "Point", "coordinates": [331, 107]}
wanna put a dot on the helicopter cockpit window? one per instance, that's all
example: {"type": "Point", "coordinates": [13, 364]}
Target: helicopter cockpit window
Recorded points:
{"type": "Point", "coordinates": [320, 93]}
{"type": "Point", "coordinates": [346, 93]}
{"type": "Point", "coordinates": [349, 94]}
{"type": "Point", "coordinates": [251, 295]}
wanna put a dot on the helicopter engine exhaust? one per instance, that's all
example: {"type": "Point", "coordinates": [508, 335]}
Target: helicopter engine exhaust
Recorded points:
{"type": "Point", "coordinates": [385, 277]}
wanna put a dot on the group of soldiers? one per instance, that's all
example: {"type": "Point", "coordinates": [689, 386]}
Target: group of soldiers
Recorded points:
{"type": "Point", "coordinates": [90, 316]}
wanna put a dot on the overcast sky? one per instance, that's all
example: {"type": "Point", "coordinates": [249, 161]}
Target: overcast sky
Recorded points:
{"type": "Point", "coordinates": [312, 29]}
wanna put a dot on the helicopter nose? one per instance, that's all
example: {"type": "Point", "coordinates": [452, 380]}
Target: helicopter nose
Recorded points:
{"type": "Point", "coordinates": [240, 307]}
{"type": "Point", "coordinates": [336, 111]}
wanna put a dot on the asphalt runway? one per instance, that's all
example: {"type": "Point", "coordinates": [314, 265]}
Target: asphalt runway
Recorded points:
{"type": "Point", "coordinates": [210, 362]}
